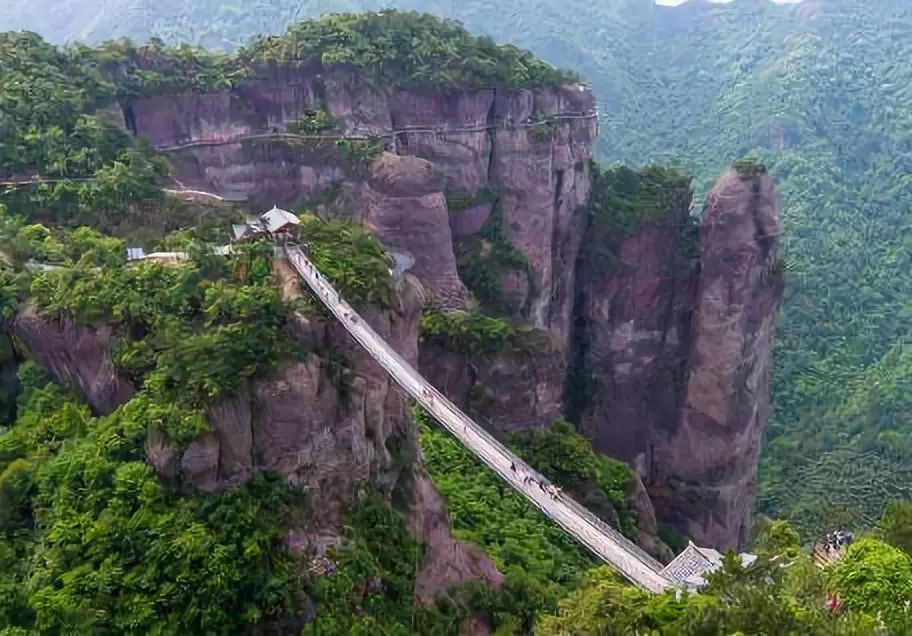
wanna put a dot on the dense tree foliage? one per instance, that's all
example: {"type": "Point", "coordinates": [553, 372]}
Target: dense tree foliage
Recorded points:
{"type": "Point", "coordinates": [541, 562]}
{"type": "Point", "coordinates": [93, 542]}
{"type": "Point", "coordinates": [876, 578]}
{"type": "Point", "coordinates": [191, 338]}
{"type": "Point", "coordinates": [472, 332]}
{"type": "Point", "coordinates": [353, 260]}
{"type": "Point", "coordinates": [765, 598]}
{"type": "Point", "coordinates": [698, 86]}
{"type": "Point", "coordinates": [411, 48]}
{"type": "Point", "coordinates": [50, 127]}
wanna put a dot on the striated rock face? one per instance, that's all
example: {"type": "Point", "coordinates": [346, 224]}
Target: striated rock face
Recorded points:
{"type": "Point", "coordinates": [508, 391]}
{"type": "Point", "coordinates": [224, 142]}
{"type": "Point", "coordinates": [678, 357]}
{"type": "Point", "coordinates": [77, 355]}
{"type": "Point", "coordinates": [705, 467]}
{"type": "Point", "coordinates": [401, 202]}
{"type": "Point", "coordinates": [544, 182]}
{"type": "Point", "coordinates": [463, 151]}
{"type": "Point", "coordinates": [636, 338]}
{"type": "Point", "coordinates": [446, 561]}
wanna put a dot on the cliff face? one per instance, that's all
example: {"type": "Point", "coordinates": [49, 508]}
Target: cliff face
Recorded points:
{"type": "Point", "coordinates": [530, 147]}
{"type": "Point", "coordinates": [481, 193]}
{"type": "Point", "coordinates": [77, 355]}
{"type": "Point", "coordinates": [401, 200]}
{"type": "Point", "coordinates": [332, 425]}
{"type": "Point", "coordinates": [519, 388]}
{"type": "Point", "coordinates": [636, 336]}
{"type": "Point", "coordinates": [704, 474]}
{"type": "Point", "coordinates": [678, 356]}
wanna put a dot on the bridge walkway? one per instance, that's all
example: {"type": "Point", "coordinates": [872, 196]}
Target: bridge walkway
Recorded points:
{"type": "Point", "coordinates": [600, 538]}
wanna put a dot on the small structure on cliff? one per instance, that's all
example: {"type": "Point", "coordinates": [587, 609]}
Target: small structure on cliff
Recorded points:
{"type": "Point", "coordinates": [689, 567]}
{"type": "Point", "coordinates": [280, 223]}
{"type": "Point", "coordinates": [139, 254]}
{"type": "Point", "coordinates": [276, 224]}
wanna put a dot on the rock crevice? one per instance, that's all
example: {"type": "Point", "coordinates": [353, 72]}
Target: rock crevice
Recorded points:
{"type": "Point", "coordinates": [678, 356]}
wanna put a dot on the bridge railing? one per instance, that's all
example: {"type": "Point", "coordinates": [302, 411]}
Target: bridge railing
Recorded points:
{"type": "Point", "coordinates": [587, 528]}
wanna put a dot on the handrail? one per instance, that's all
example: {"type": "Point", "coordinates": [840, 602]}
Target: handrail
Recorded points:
{"type": "Point", "coordinates": [380, 134]}
{"type": "Point", "coordinates": [588, 529]}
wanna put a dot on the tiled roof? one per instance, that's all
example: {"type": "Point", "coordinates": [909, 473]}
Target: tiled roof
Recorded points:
{"type": "Point", "coordinates": [690, 562]}
{"type": "Point", "coordinates": [276, 219]}
{"type": "Point", "coordinates": [690, 566]}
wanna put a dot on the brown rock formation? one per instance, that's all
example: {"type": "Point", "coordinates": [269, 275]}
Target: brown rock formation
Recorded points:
{"type": "Point", "coordinates": [651, 328]}
{"type": "Point", "coordinates": [446, 561]}
{"type": "Point", "coordinates": [401, 202]}
{"type": "Point", "coordinates": [705, 467]}
{"type": "Point", "coordinates": [543, 175]}
{"type": "Point", "coordinates": [519, 388]}
{"type": "Point", "coordinates": [476, 138]}
{"type": "Point", "coordinates": [332, 434]}
{"type": "Point", "coordinates": [77, 355]}
{"type": "Point", "coordinates": [636, 338]}
{"type": "Point", "coordinates": [678, 357]}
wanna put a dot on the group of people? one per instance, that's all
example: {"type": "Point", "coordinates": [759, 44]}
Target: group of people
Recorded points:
{"type": "Point", "coordinates": [836, 540]}
{"type": "Point", "coordinates": [552, 491]}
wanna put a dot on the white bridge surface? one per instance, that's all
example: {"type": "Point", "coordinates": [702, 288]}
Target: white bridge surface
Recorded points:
{"type": "Point", "coordinates": [604, 541]}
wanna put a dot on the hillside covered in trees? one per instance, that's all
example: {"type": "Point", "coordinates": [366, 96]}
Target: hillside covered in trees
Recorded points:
{"type": "Point", "coordinates": [697, 86]}
{"type": "Point", "coordinates": [95, 541]}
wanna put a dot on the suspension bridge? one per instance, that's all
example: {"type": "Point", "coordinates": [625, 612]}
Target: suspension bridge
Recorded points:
{"type": "Point", "coordinates": [596, 535]}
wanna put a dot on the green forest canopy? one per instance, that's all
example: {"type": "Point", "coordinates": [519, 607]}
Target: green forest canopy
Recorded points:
{"type": "Point", "coordinates": [83, 515]}
{"type": "Point", "coordinates": [698, 86]}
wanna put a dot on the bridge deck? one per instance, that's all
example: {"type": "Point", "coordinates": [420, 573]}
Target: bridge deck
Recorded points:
{"type": "Point", "coordinates": [603, 540]}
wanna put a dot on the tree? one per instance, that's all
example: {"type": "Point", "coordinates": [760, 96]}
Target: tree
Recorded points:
{"type": "Point", "coordinates": [603, 605]}
{"type": "Point", "coordinates": [895, 526]}
{"type": "Point", "coordinates": [875, 578]}
{"type": "Point", "coordinates": [777, 537]}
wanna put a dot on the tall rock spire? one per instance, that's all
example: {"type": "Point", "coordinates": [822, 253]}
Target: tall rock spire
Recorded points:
{"type": "Point", "coordinates": [703, 471]}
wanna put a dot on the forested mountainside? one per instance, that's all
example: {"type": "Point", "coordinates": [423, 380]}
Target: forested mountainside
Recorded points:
{"type": "Point", "coordinates": [697, 86]}
{"type": "Point", "coordinates": [192, 445]}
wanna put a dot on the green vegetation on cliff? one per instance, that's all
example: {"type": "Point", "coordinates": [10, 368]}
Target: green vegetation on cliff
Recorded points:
{"type": "Point", "coordinates": [765, 598]}
{"type": "Point", "coordinates": [49, 126]}
{"type": "Point", "coordinates": [470, 332]}
{"type": "Point", "coordinates": [698, 86]}
{"type": "Point", "coordinates": [623, 200]}
{"type": "Point", "coordinates": [392, 47]}
{"type": "Point", "coordinates": [540, 561]}
{"type": "Point", "coordinates": [415, 49]}
{"type": "Point", "coordinates": [94, 542]}
{"type": "Point", "coordinates": [484, 258]}
{"type": "Point", "coordinates": [193, 339]}
{"type": "Point", "coordinates": [353, 260]}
